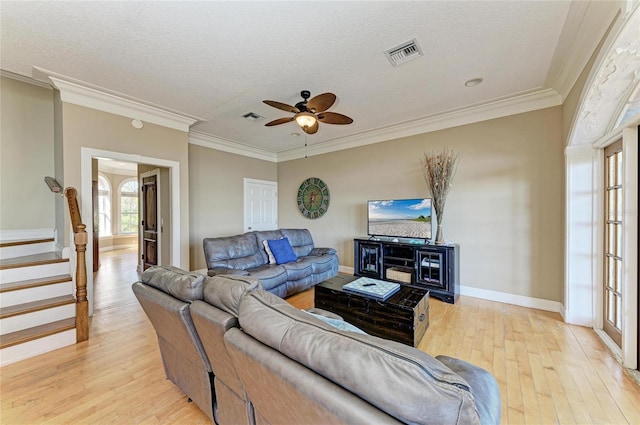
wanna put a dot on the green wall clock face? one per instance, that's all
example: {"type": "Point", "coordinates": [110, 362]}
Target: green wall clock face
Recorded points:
{"type": "Point", "coordinates": [313, 198]}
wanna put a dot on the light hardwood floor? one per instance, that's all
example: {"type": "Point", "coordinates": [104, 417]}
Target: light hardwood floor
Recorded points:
{"type": "Point", "coordinates": [549, 372]}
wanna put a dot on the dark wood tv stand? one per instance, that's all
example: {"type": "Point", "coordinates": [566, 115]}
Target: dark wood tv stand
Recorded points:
{"type": "Point", "coordinates": [432, 267]}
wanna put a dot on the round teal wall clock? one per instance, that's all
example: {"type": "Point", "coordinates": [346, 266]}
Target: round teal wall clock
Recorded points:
{"type": "Point", "coordinates": [313, 198]}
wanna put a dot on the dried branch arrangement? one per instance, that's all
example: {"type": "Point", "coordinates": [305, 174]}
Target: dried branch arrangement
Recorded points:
{"type": "Point", "coordinates": [439, 169]}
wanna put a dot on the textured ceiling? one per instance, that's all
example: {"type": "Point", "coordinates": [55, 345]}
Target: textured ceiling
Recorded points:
{"type": "Point", "coordinates": [219, 60]}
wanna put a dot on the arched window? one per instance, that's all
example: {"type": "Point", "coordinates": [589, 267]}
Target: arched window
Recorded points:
{"type": "Point", "coordinates": [104, 206]}
{"type": "Point", "coordinates": [129, 206]}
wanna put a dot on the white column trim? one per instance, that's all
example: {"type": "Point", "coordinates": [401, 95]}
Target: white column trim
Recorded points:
{"type": "Point", "coordinates": [630, 248]}
{"type": "Point", "coordinates": [579, 300]}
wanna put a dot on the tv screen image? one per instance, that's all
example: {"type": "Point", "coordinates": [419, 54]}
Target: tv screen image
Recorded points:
{"type": "Point", "coordinates": [400, 218]}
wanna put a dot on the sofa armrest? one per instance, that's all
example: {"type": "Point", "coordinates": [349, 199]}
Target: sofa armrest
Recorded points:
{"type": "Point", "coordinates": [224, 270]}
{"type": "Point", "coordinates": [484, 387]}
{"type": "Point", "coordinates": [322, 251]}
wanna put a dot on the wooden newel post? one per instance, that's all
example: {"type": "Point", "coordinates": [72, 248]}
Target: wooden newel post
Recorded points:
{"type": "Point", "coordinates": [82, 305]}
{"type": "Point", "coordinates": [80, 239]}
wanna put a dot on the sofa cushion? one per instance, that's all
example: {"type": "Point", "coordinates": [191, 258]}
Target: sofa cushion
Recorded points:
{"type": "Point", "coordinates": [300, 240]}
{"type": "Point", "coordinates": [265, 235]}
{"type": "Point", "coordinates": [403, 381]}
{"type": "Point", "coordinates": [319, 264]}
{"type": "Point", "coordinates": [298, 269]}
{"type": "Point", "coordinates": [225, 291]}
{"type": "Point", "coordinates": [234, 252]}
{"type": "Point", "coordinates": [270, 275]}
{"type": "Point", "coordinates": [282, 251]}
{"type": "Point", "coordinates": [184, 285]}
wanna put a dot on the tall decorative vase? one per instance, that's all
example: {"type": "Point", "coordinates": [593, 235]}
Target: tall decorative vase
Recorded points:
{"type": "Point", "coordinates": [438, 169]}
{"type": "Point", "coordinates": [439, 237]}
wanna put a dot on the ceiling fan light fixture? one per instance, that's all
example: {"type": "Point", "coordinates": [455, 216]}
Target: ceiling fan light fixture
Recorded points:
{"type": "Point", "coordinates": [305, 119]}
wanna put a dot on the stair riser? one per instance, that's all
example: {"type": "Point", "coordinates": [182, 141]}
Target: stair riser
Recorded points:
{"type": "Point", "coordinates": [33, 272]}
{"type": "Point", "coordinates": [22, 250]}
{"type": "Point", "coordinates": [25, 234]}
{"type": "Point", "coordinates": [33, 348]}
{"type": "Point", "coordinates": [34, 294]}
{"type": "Point", "coordinates": [37, 318]}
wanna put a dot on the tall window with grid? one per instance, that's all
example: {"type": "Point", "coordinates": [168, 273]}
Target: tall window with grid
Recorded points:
{"type": "Point", "coordinates": [104, 206]}
{"type": "Point", "coordinates": [129, 207]}
{"type": "Point", "coordinates": [613, 213]}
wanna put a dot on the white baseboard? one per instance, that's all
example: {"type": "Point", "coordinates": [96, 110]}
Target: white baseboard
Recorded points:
{"type": "Point", "coordinates": [22, 234]}
{"type": "Point", "coordinates": [116, 247]}
{"type": "Point", "coordinates": [345, 269]}
{"type": "Point", "coordinates": [503, 297]}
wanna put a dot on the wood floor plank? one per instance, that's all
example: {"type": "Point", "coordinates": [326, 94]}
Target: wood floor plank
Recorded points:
{"type": "Point", "coordinates": [548, 372]}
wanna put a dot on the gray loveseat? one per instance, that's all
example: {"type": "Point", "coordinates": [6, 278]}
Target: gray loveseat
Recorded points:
{"type": "Point", "coordinates": [269, 363]}
{"type": "Point", "coordinates": [245, 255]}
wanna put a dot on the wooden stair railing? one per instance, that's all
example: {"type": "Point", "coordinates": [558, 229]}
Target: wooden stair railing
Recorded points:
{"type": "Point", "coordinates": [80, 241]}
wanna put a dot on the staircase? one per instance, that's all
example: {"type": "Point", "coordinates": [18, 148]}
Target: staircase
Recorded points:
{"type": "Point", "coordinates": [37, 303]}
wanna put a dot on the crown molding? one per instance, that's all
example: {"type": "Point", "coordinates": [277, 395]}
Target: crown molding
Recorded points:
{"type": "Point", "coordinates": [23, 79]}
{"type": "Point", "coordinates": [80, 93]}
{"type": "Point", "coordinates": [212, 142]}
{"type": "Point", "coordinates": [511, 106]}
{"type": "Point", "coordinates": [585, 26]}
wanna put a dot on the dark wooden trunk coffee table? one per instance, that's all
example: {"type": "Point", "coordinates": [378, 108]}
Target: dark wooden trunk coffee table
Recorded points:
{"type": "Point", "coordinates": [403, 317]}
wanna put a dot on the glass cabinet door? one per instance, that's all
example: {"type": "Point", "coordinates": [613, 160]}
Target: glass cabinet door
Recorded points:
{"type": "Point", "coordinates": [370, 259]}
{"type": "Point", "coordinates": [430, 268]}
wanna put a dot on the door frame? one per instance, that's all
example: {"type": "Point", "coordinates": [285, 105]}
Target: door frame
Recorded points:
{"type": "Point", "coordinates": [154, 172]}
{"type": "Point", "coordinates": [630, 326]}
{"type": "Point", "coordinates": [86, 155]}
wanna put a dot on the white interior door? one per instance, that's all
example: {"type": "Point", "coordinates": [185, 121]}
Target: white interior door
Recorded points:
{"type": "Point", "coordinates": [260, 205]}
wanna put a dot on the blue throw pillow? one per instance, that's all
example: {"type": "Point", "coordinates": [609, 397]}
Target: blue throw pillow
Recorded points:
{"type": "Point", "coordinates": [282, 251]}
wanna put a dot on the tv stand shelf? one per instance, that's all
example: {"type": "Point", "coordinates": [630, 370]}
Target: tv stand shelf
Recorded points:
{"type": "Point", "coordinates": [432, 267]}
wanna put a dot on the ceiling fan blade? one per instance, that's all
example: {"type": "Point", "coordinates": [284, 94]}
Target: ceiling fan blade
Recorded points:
{"type": "Point", "coordinates": [334, 118]}
{"type": "Point", "coordinates": [321, 102]}
{"type": "Point", "coordinates": [282, 106]}
{"type": "Point", "coordinates": [278, 121]}
{"type": "Point", "coordinates": [311, 130]}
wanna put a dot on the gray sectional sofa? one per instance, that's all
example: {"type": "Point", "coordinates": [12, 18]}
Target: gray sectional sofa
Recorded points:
{"type": "Point", "coordinates": [245, 255]}
{"type": "Point", "coordinates": [269, 363]}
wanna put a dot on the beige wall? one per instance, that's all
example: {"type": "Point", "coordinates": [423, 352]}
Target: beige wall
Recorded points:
{"type": "Point", "coordinates": [216, 181]}
{"type": "Point", "coordinates": [84, 127]}
{"type": "Point", "coordinates": [505, 208]}
{"type": "Point", "coordinates": [26, 156]}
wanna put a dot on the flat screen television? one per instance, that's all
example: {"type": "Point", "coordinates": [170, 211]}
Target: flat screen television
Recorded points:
{"type": "Point", "coordinates": [400, 218]}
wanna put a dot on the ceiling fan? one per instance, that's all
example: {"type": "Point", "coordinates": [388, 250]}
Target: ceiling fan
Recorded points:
{"type": "Point", "coordinates": [309, 112]}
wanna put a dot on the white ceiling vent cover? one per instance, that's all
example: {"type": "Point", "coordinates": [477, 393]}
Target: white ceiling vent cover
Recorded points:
{"type": "Point", "coordinates": [404, 52]}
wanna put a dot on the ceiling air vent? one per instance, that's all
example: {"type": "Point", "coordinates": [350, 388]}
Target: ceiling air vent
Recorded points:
{"type": "Point", "coordinates": [252, 116]}
{"type": "Point", "coordinates": [404, 52]}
